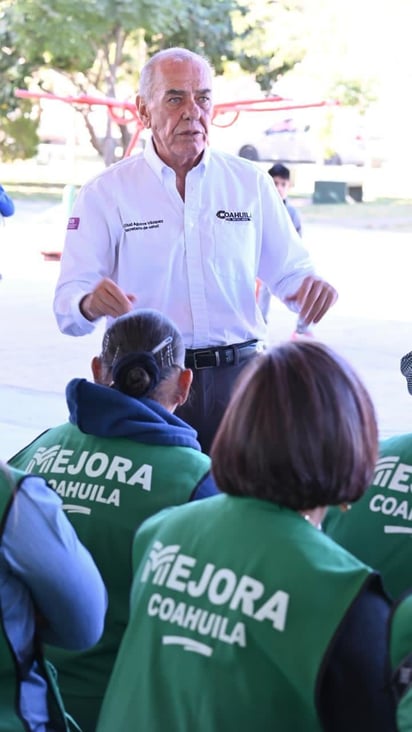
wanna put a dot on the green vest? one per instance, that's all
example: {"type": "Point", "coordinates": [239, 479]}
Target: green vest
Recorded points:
{"type": "Point", "coordinates": [108, 487]}
{"type": "Point", "coordinates": [10, 717]}
{"type": "Point", "coordinates": [378, 528]}
{"type": "Point", "coordinates": [234, 605]}
{"type": "Point", "coordinates": [400, 651]}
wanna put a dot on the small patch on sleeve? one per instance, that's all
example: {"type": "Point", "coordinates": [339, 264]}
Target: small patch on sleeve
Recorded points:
{"type": "Point", "coordinates": [73, 222]}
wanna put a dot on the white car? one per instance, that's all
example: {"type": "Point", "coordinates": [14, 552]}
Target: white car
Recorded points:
{"type": "Point", "coordinates": [288, 140]}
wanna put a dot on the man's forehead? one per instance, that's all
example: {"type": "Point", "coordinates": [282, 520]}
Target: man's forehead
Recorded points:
{"type": "Point", "coordinates": [181, 76]}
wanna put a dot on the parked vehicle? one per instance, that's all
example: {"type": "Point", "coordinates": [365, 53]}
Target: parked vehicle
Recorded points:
{"type": "Point", "coordinates": [291, 140]}
{"type": "Point", "coordinates": [284, 140]}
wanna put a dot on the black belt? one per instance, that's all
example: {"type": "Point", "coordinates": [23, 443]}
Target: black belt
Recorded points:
{"type": "Point", "coordinates": [208, 358]}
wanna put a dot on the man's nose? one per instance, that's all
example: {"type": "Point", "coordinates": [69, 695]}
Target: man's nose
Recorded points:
{"type": "Point", "coordinates": [191, 109]}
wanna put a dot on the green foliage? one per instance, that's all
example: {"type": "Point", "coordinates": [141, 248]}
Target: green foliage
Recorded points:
{"type": "Point", "coordinates": [206, 28]}
{"type": "Point", "coordinates": [69, 37]}
{"type": "Point", "coordinates": [354, 97]}
{"type": "Point", "coordinates": [360, 93]}
{"type": "Point", "coordinates": [231, 30]}
{"type": "Point", "coordinates": [270, 40]}
{"type": "Point", "coordinates": [18, 135]}
{"type": "Point", "coordinates": [18, 126]}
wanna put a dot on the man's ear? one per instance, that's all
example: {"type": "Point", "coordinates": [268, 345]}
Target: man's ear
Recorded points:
{"type": "Point", "coordinates": [184, 383]}
{"type": "Point", "coordinates": [142, 111]}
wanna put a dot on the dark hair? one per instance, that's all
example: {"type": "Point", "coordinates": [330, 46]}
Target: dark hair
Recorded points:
{"type": "Point", "coordinates": [127, 351]}
{"type": "Point", "coordinates": [406, 369]}
{"type": "Point", "coordinates": [300, 430]}
{"type": "Point", "coordinates": [280, 171]}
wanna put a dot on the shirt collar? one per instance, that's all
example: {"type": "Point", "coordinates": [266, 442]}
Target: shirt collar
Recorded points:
{"type": "Point", "coordinates": [157, 164]}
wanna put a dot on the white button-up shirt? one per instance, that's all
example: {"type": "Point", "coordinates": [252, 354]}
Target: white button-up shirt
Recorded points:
{"type": "Point", "coordinates": [195, 260]}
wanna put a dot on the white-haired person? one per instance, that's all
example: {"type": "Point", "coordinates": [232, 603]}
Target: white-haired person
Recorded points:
{"type": "Point", "coordinates": [186, 229]}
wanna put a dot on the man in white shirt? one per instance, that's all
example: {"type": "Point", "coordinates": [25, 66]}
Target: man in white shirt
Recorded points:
{"type": "Point", "coordinates": [186, 230]}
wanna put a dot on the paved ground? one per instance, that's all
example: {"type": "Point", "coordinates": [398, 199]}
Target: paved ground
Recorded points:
{"type": "Point", "coordinates": [370, 325]}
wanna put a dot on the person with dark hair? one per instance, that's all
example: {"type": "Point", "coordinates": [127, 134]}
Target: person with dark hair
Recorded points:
{"type": "Point", "coordinates": [378, 529]}
{"type": "Point", "coordinates": [50, 592]}
{"type": "Point", "coordinates": [187, 230]}
{"type": "Point", "coordinates": [406, 369]}
{"type": "Point", "coordinates": [269, 624]}
{"type": "Point", "coordinates": [122, 457]}
{"type": "Point", "coordinates": [280, 175]}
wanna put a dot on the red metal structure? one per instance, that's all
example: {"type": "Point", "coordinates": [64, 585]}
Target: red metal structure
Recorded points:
{"type": "Point", "coordinates": [125, 112]}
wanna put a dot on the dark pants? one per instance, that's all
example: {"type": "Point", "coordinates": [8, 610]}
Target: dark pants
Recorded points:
{"type": "Point", "coordinates": [210, 394]}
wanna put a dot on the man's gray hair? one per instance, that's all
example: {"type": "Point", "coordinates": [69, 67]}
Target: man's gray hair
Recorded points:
{"type": "Point", "coordinates": [176, 53]}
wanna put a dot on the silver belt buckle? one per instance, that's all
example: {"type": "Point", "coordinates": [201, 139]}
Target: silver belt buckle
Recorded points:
{"type": "Point", "coordinates": [208, 352]}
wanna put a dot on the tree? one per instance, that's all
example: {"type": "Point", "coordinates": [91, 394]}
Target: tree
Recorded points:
{"type": "Point", "coordinates": [18, 125]}
{"type": "Point", "coordinates": [99, 46]}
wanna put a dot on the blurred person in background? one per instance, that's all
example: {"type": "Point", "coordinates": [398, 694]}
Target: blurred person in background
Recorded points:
{"type": "Point", "coordinates": [6, 203]}
{"type": "Point", "coordinates": [6, 206]}
{"type": "Point", "coordinates": [280, 175]}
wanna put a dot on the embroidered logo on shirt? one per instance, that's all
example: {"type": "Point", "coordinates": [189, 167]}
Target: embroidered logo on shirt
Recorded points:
{"type": "Point", "coordinates": [142, 225]}
{"type": "Point", "coordinates": [73, 222]}
{"type": "Point", "coordinates": [234, 215]}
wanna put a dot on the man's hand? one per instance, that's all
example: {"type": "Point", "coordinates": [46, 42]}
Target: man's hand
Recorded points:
{"type": "Point", "coordinates": [106, 299]}
{"type": "Point", "coordinates": [314, 298]}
